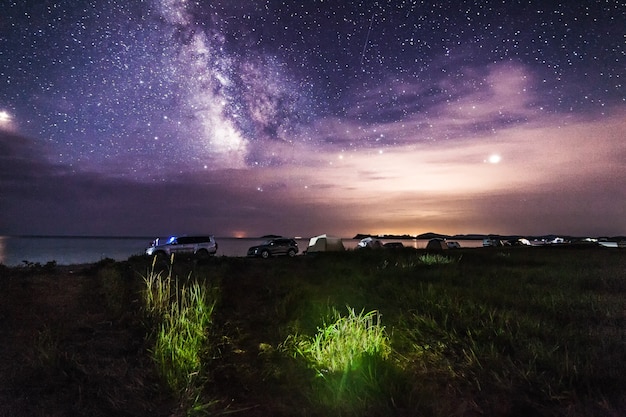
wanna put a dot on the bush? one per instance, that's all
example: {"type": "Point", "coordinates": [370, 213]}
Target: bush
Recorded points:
{"type": "Point", "coordinates": [348, 358]}
{"type": "Point", "coordinates": [181, 318]}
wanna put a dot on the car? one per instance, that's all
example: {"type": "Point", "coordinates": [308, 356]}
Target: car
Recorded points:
{"type": "Point", "coordinates": [274, 247]}
{"type": "Point", "coordinates": [369, 243]}
{"type": "Point", "coordinates": [199, 246]}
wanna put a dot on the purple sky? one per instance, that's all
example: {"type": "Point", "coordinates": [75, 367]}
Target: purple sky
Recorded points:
{"type": "Point", "coordinates": [243, 118]}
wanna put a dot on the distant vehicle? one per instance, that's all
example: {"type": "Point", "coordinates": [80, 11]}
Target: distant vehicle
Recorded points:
{"type": "Point", "coordinates": [453, 245]}
{"type": "Point", "coordinates": [274, 247]}
{"type": "Point", "coordinates": [199, 246]}
{"type": "Point", "coordinates": [492, 242]}
{"type": "Point", "coordinates": [369, 243]}
{"type": "Point", "coordinates": [393, 245]}
{"type": "Point", "coordinates": [608, 244]}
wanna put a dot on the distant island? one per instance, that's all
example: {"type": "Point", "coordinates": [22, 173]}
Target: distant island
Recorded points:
{"type": "Point", "coordinates": [479, 236]}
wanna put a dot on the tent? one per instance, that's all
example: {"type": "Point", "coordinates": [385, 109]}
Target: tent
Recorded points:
{"type": "Point", "coordinates": [436, 244]}
{"type": "Point", "coordinates": [324, 243]}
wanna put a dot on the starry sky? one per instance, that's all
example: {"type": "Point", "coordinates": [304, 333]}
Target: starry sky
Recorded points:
{"type": "Point", "coordinates": [249, 117]}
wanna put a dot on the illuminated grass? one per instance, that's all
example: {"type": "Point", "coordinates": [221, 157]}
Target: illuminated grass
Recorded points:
{"type": "Point", "coordinates": [342, 345]}
{"type": "Point", "coordinates": [182, 337]}
{"type": "Point", "coordinates": [483, 329]}
{"type": "Point", "coordinates": [182, 318]}
{"type": "Point", "coordinates": [157, 293]}
{"type": "Point", "coordinates": [416, 261]}
{"type": "Point", "coordinates": [347, 357]}
{"type": "Point", "coordinates": [435, 259]}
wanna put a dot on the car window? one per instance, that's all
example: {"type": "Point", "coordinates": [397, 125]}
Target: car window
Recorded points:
{"type": "Point", "coordinates": [187, 240]}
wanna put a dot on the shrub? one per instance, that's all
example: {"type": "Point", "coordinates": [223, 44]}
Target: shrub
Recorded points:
{"type": "Point", "coordinates": [342, 345]}
{"type": "Point", "coordinates": [182, 337]}
{"type": "Point", "coordinates": [435, 259]}
{"type": "Point", "coordinates": [181, 318]}
{"type": "Point", "coordinates": [348, 358]}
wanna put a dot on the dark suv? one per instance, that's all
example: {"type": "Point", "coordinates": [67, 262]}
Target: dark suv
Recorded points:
{"type": "Point", "coordinates": [273, 247]}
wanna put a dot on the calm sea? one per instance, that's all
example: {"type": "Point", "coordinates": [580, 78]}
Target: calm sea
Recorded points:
{"type": "Point", "coordinates": [16, 251]}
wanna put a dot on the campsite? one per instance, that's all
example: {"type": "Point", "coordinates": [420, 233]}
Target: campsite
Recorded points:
{"type": "Point", "coordinates": [325, 243]}
{"type": "Point", "coordinates": [497, 331]}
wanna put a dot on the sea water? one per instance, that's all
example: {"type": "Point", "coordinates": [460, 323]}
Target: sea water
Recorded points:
{"type": "Point", "coordinates": [15, 251]}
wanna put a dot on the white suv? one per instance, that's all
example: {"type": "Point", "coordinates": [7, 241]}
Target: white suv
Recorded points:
{"type": "Point", "coordinates": [200, 246]}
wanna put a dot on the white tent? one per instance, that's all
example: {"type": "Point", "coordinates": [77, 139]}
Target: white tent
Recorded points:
{"type": "Point", "coordinates": [324, 243]}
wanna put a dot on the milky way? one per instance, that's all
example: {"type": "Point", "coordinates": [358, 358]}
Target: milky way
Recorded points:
{"type": "Point", "coordinates": [327, 99]}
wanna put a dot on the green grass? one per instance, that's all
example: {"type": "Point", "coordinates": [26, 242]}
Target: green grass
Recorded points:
{"type": "Point", "coordinates": [182, 337]}
{"type": "Point", "coordinates": [486, 331]}
{"type": "Point", "coordinates": [348, 356]}
{"type": "Point", "coordinates": [181, 315]}
{"type": "Point", "coordinates": [435, 259]}
{"type": "Point", "coordinates": [342, 345]}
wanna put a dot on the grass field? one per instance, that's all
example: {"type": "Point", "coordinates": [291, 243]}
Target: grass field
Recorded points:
{"type": "Point", "coordinates": [470, 332]}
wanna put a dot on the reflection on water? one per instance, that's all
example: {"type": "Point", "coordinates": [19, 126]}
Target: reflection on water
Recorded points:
{"type": "Point", "coordinates": [67, 250]}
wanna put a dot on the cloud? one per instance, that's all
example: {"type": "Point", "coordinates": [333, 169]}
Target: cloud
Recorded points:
{"type": "Point", "coordinates": [44, 198]}
{"type": "Point", "coordinates": [504, 95]}
{"type": "Point", "coordinates": [471, 103]}
{"type": "Point", "coordinates": [562, 165]}
{"type": "Point", "coordinates": [552, 179]}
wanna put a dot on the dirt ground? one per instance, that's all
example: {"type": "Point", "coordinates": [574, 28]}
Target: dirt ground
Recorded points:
{"type": "Point", "coordinates": [66, 352]}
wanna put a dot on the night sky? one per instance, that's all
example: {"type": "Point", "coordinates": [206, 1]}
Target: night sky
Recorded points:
{"type": "Point", "coordinates": [243, 118]}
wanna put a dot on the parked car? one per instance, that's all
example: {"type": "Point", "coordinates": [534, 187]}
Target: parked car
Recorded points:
{"type": "Point", "coordinates": [453, 245]}
{"type": "Point", "coordinates": [487, 242]}
{"type": "Point", "coordinates": [199, 246]}
{"type": "Point", "coordinates": [369, 243]}
{"type": "Point", "coordinates": [274, 247]}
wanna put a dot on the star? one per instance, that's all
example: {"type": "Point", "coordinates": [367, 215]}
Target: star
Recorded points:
{"type": "Point", "coordinates": [411, 104]}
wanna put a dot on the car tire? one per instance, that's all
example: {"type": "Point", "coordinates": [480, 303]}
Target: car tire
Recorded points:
{"type": "Point", "coordinates": [291, 253]}
{"type": "Point", "coordinates": [265, 254]}
{"type": "Point", "coordinates": [203, 254]}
